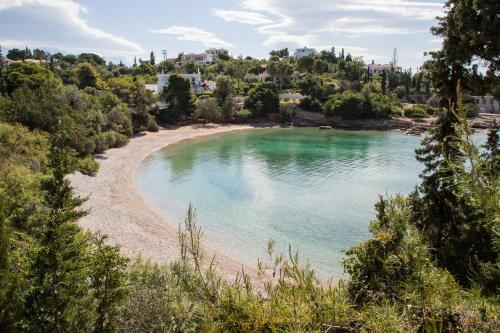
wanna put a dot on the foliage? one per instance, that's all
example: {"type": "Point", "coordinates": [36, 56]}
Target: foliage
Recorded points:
{"type": "Point", "coordinates": [86, 76]}
{"type": "Point", "coordinates": [351, 105]}
{"type": "Point", "coordinates": [88, 166]}
{"type": "Point", "coordinates": [263, 99]}
{"type": "Point", "coordinates": [209, 110]}
{"type": "Point", "coordinates": [179, 98]}
{"type": "Point", "coordinates": [223, 89]}
{"type": "Point", "coordinates": [30, 76]}
{"type": "Point", "coordinates": [416, 111]}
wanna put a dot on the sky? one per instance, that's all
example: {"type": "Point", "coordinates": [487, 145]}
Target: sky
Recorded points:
{"type": "Point", "coordinates": [122, 30]}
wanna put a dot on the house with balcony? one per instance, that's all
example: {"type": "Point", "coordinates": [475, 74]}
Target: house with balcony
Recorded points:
{"type": "Point", "coordinates": [304, 52]}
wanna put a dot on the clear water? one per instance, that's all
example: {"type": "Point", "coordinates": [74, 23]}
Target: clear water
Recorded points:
{"type": "Point", "coordinates": [314, 190]}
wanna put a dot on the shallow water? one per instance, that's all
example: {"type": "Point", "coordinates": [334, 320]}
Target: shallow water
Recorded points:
{"type": "Point", "coordinates": [314, 190]}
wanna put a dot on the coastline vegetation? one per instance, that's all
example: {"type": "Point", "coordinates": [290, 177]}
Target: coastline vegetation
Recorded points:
{"type": "Point", "coordinates": [432, 264]}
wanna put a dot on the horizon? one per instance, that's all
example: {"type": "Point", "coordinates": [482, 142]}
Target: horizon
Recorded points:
{"type": "Point", "coordinates": [370, 29]}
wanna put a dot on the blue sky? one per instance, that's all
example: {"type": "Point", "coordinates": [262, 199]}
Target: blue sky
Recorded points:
{"type": "Point", "coordinates": [124, 29]}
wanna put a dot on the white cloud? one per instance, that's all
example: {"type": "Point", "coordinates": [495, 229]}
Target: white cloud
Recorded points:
{"type": "Point", "coordinates": [288, 39]}
{"type": "Point", "coordinates": [194, 34]}
{"type": "Point", "coordinates": [60, 21]}
{"type": "Point", "coordinates": [245, 17]}
{"type": "Point", "coordinates": [306, 20]}
{"type": "Point", "coordinates": [410, 9]}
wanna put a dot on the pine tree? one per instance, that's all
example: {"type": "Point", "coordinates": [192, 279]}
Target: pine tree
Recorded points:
{"type": "Point", "coordinates": [59, 300]}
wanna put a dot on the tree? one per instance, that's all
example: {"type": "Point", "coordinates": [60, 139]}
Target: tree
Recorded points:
{"type": "Point", "coordinates": [306, 64]}
{"type": "Point", "coordinates": [281, 54]}
{"type": "Point", "coordinates": [16, 54]}
{"type": "Point", "coordinates": [179, 97]}
{"type": "Point", "coordinates": [208, 110]}
{"type": "Point", "coordinates": [263, 99]}
{"type": "Point", "coordinates": [3, 84]}
{"type": "Point", "coordinates": [29, 75]}
{"type": "Point", "coordinates": [447, 219]}
{"type": "Point", "coordinates": [237, 68]}
{"type": "Point", "coordinates": [92, 58]}
{"type": "Point", "coordinates": [280, 71]}
{"type": "Point", "coordinates": [224, 89]}
{"type": "Point", "coordinates": [108, 280]}
{"type": "Point", "coordinates": [59, 300]}
{"type": "Point", "coordinates": [39, 54]}
{"type": "Point", "coordinates": [152, 58]}
{"type": "Point", "coordinates": [383, 83]}
{"type": "Point", "coordinates": [86, 76]}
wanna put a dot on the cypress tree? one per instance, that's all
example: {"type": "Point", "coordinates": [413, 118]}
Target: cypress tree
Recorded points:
{"type": "Point", "coordinates": [59, 299]}
{"type": "Point", "coordinates": [384, 82]}
{"type": "Point", "coordinates": [152, 58]}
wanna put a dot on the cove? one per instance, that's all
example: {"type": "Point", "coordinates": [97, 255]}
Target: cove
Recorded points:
{"type": "Point", "coordinates": [314, 190]}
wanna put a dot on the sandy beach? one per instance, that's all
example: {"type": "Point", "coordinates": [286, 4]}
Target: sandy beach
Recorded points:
{"type": "Point", "coordinates": [117, 209]}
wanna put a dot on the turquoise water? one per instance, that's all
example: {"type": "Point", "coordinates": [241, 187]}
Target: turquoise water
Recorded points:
{"type": "Point", "coordinates": [312, 189]}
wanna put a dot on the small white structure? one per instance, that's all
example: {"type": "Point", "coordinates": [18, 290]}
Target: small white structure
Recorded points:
{"type": "Point", "coordinates": [194, 79]}
{"type": "Point", "coordinates": [378, 69]}
{"type": "Point", "coordinates": [304, 52]}
{"type": "Point", "coordinates": [487, 104]}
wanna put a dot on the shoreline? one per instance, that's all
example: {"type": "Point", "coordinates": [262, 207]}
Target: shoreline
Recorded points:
{"type": "Point", "coordinates": [117, 209]}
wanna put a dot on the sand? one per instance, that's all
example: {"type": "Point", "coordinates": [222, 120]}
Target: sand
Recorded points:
{"type": "Point", "coordinates": [117, 209]}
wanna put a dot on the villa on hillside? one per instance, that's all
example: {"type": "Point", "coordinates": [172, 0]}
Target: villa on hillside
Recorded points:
{"type": "Point", "coordinates": [378, 69]}
{"type": "Point", "coordinates": [208, 57]}
{"type": "Point", "coordinates": [304, 52]}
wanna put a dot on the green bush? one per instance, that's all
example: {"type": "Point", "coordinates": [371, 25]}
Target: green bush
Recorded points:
{"type": "Point", "coordinates": [416, 111]}
{"type": "Point", "coordinates": [287, 112]}
{"type": "Point", "coordinates": [263, 99]}
{"type": "Point", "coordinates": [364, 105]}
{"type": "Point", "coordinates": [209, 110]}
{"type": "Point", "coordinates": [88, 166]}
{"type": "Point", "coordinates": [310, 104]}
{"type": "Point", "coordinates": [151, 125]}
{"type": "Point", "coordinates": [242, 116]}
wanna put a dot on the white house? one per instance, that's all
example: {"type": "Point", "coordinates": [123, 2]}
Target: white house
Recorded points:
{"type": "Point", "coordinates": [215, 53]}
{"type": "Point", "coordinates": [197, 58]}
{"type": "Point", "coordinates": [304, 52]}
{"type": "Point", "coordinates": [377, 69]}
{"type": "Point", "coordinates": [487, 104]}
{"type": "Point", "coordinates": [195, 80]}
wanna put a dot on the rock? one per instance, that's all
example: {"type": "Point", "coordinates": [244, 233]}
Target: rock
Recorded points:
{"type": "Point", "coordinates": [325, 127]}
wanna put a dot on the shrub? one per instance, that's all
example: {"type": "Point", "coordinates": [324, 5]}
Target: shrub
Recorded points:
{"type": "Point", "coordinates": [353, 105]}
{"type": "Point", "coordinates": [109, 139]}
{"type": "Point", "coordinates": [287, 112]}
{"type": "Point", "coordinates": [88, 166]}
{"type": "Point", "coordinates": [208, 110]}
{"type": "Point", "coordinates": [151, 125]}
{"type": "Point", "coordinates": [242, 115]}
{"type": "Point", "coordinates": [263, 99]}
{"type": "Point", "coordinates": [310, 104]}
{"type": "Point", "coordinates": [415, 111]}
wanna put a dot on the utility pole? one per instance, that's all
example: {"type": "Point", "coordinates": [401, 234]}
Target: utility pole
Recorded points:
{"type": "Point", "coordinates": [395, 57]}
{"type": "Point", "coordinates": [164, 52]}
